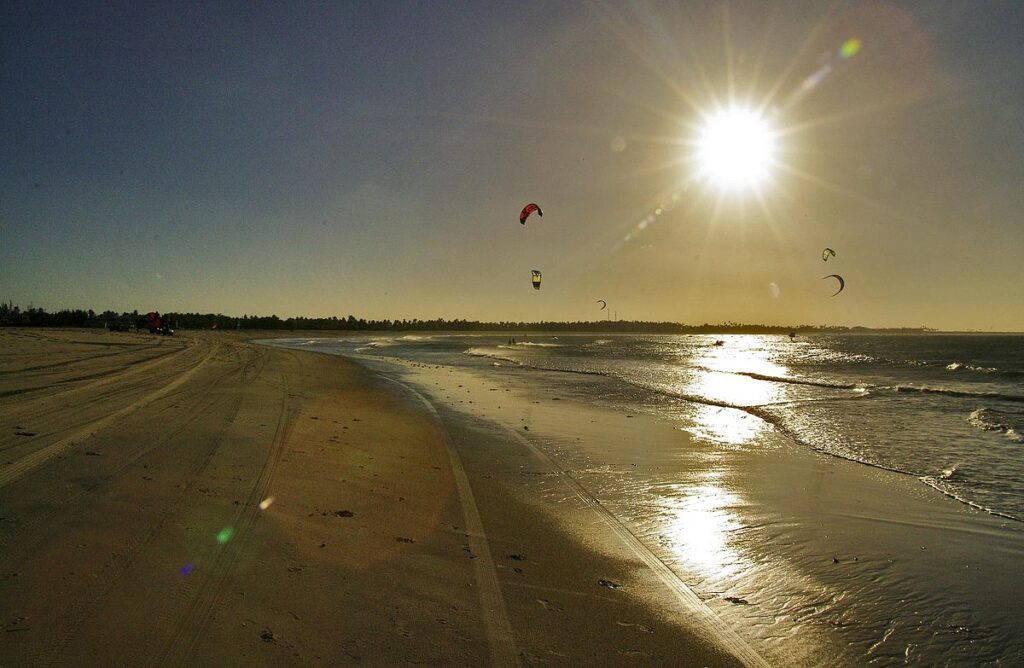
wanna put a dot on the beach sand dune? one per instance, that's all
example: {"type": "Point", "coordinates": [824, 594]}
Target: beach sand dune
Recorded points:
{"type": "Point", "coordinates": [199, 499]}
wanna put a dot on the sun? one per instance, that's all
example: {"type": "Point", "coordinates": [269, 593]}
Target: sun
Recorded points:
{"type": "Point", "coordinates": [735, 149]}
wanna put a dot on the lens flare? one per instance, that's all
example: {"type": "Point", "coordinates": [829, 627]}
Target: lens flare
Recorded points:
{"type": "Point", "coordinates": [850, 48]}
{"type": "Point", "coordinates": [266, 503]}
{"type": "Point", "coordinates": [225, 534]}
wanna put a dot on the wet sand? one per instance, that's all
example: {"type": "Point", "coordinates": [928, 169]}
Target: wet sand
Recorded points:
{"type": "Point", "coordinates": [808, 559]}
{"type": "Point", "coordinates": [199, 499]}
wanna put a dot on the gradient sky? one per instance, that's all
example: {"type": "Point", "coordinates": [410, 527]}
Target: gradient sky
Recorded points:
{"type": "Point", "coordinates": [335, 158]}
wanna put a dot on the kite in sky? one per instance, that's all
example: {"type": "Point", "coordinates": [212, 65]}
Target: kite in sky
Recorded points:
{"type": "Point", "coordinates": [527, 210]}
{"type": "Point", "coordinates": [842, 283]}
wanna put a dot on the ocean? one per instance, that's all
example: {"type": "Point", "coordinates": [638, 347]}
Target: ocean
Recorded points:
{"type": "Point", "coordinates": [943, 412]}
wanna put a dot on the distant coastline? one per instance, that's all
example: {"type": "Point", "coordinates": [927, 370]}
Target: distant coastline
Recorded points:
{"type": "Point", "coordinates": [12, 315]}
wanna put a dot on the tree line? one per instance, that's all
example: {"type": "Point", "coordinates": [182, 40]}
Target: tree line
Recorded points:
{"type": "Point", "coordinates": [12, 315]}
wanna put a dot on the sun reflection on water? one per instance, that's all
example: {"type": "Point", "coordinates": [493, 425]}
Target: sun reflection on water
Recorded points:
{"type": "Point", "coordinates": [746, 353]}
{"type": "Point", "coordinates": [713, 375]}
{"type": "Point", "coordinates": [732, 389]}
{"type": "Point", "coordinates": [699, 525]}
{"type": "Point", "coordinates": [703, 515]}
{"type": "Point", "coordinates": [728, 426]}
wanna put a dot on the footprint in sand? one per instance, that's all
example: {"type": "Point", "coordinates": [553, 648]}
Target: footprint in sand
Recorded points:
{"type": "Point", "coordinates": [548, 605]}
{"type": "Point", "coordinates": [638, 627]}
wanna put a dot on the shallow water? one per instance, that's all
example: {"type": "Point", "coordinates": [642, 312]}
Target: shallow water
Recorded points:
{"type": "Point", "coordinates": [876, 584]}
{"type": "Point", "coordinates": [948, 408]}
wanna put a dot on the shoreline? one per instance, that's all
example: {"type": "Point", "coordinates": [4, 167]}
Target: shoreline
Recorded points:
{"type": "Point", "coordinates": [236, 502]}
{"type": "Point", "coordinates": [823, 542]}
{"type": "Point", "coordinates": [762, 412]}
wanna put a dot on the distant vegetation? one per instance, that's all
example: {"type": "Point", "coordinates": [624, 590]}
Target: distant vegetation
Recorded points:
{"type": "Point", "coordinates": [14, 316]}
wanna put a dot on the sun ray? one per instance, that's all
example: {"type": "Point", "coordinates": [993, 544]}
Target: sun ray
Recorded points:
{"type": "Point", "coordinates": [668, 195]}
{"type": "Point", "coordinates": [649, 170]}
{"type": "Point", "coordinates": [485, 119]}
{"type": "Point", "coordinates": [709, 231]}
{"type": "Point", "coordinates": [795, 60]}
{"type": "Point", "coordinates": [779, 232]}
{"type": "Point", "coordinates": [654, 110]}
{"type": "Point", "coordinates": [769, 28]}
{"type": "Point", "coordinates": [863, 110]}
{"type": "Point", "coordinates": [730, 64]}
{"type": "Point", "coordinates": [708, 90]}
{"type": "Point", "coordinates": [839, 190]}
{"type": "Point", "coordinates": [610, 18]}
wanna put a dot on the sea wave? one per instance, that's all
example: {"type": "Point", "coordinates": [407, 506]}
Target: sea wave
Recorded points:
{"type": "Point", "coordinates": [924, 389]}
{"type": "Point", "coordinates": [490, 353]}
{"type": "Point", "coordinates": [939, 485]}
{"type": "Point", "coordinates": [798, 381]}
{"type": "Point", "coordinates": [779, 423]}
{"type": "Point", "coordinates": [943, 481]}
{"type": "Point", "coordinates": [830, 355]}
{"type": "Point", "coordinates": [988, 419]}
{"type": "Point", "coordinates": [375, 344]}
{"type": "Point", "coordinates": [963, 366]}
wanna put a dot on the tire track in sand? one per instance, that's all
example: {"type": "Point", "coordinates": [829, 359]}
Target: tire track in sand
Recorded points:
{"type": "Point", "coordinates": [99, 378]}
{"type": "Point", "coordinates": [189, 628]}
{"type": "Point", "coordinates": [496, 625]}
{"type": "Point", "coordinates": [73, 620]}
{"type": "Point", "coordinates": [20, 467]}
{"type": "Point", "coordinates": [688, 599]}
{"type": "Point", "coordinates": [24, 546]}
{"type": "Point", "coordinates": [78, 360]}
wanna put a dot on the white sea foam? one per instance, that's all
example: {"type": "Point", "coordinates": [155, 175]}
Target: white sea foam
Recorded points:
{"type": "Point", "coordinates": [824, 355]}
{"type": "Point", "coordinates": [490, 353]}
{"type": "Point", "coordinates": [958, 366]}
{"type": "Point", "coordinates": [991, 420]}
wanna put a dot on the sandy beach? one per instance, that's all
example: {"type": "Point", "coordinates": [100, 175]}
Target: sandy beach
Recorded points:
{"type": "Point", "coordinates": [723, 523]}
{"type": "Point", "coordinates": [199, 499]}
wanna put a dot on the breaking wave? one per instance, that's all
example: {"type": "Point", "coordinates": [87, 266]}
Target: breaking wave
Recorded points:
{"type": "Point", "coordinates": [923, 389]}
{"type": "Point", "coordinates": [961, 366]}
{"type": "Point", "coordinates": [988, 419]}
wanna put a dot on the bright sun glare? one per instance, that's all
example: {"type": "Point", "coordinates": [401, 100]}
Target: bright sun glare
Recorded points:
{"type": "Point", "coordinates": [735, 149]}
